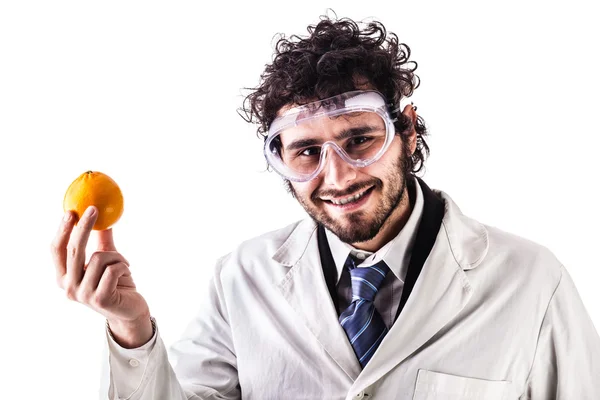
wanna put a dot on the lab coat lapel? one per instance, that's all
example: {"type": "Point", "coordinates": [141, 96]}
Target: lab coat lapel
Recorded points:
{"type": "Point", "coordinates": [305, 289]}
{"type": "Point", "coordinates": [441, 291]}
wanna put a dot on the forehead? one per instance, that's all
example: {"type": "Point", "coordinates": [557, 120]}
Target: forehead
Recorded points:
{"type": "Point", "coordinates": [289, 106]}
{"type": "Point", "coordinates": [327, 127]}
{"type": "Point", "coordinates": [361, 91]}
{"type": "Point", "coordinates": [358, 107]}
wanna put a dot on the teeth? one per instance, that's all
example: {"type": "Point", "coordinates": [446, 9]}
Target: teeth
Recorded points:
{"type": "Point", "coordinates": [348, 199]}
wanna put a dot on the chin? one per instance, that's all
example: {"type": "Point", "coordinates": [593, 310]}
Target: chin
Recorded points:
{"type": "Point", "coordinates": [359, 226]}
{"type": "Point", "coordinates": [354, 235]}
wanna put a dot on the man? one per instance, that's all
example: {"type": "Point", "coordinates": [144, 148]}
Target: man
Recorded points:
{"type": "Point", "coordinates": [387, 291]}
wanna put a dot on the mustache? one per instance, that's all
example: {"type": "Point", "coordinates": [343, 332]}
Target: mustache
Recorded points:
{"type": "Point", "coordinates": [350, 190]}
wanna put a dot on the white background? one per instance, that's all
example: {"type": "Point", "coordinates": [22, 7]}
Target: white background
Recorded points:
{"type": "Point", "coordinates": [147, 93]}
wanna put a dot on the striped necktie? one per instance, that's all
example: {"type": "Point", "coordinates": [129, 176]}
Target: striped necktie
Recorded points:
{"type": "Point", "coordinates": [361, 321]}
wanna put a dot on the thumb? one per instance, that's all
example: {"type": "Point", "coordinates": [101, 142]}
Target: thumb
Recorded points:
{"type": "Point", "coordinates": [105, 240]}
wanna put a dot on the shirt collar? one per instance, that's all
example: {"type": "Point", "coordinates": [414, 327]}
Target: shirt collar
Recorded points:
{"type": "Point", "coordinates": [396, 253]}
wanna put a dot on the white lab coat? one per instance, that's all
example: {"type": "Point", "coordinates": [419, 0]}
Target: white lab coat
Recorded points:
{"type": "Point", "coordinates": [492, 316]}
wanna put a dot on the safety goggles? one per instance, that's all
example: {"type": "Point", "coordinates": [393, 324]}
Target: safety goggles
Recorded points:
{"type": "Point", "coordinates": [356, 125]}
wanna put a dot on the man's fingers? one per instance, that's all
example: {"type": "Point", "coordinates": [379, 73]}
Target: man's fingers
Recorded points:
{"type": "Point", "coordinates": [78, 243]}
{"type": "Point", "coordinates": [108, 282]}
{"type": "Point", "coordinates": [97, 265]}
{"type": "Point", "coordinates": [58, 247]}
{"type": "Point", "coordinates": [105, 240]}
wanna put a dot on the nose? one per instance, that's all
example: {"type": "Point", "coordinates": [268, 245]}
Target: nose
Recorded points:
{"type": "Point", "coordinates": [337, 172]}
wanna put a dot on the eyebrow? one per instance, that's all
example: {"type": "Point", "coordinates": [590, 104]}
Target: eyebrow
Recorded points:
{"type": "Point", "coordinates": [345, 134]}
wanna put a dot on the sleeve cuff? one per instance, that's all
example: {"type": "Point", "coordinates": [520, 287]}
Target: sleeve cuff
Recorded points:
{"type": "Point", "coordinates": [127, 366]}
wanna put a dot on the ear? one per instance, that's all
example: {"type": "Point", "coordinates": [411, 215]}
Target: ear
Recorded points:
{"type": "Point", "coordinates": [411, 113]}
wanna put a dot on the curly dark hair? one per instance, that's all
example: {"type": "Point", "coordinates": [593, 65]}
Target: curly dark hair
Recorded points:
{"type": "Point", "coordinates": [338, 56]}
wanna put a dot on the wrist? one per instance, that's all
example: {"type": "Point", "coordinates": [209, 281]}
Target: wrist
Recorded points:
{"type": "Point", "coordinates": [132, 334]}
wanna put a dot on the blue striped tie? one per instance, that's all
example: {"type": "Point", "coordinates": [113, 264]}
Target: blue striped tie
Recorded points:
{"type": "Point", "coordinates": [361, 321]}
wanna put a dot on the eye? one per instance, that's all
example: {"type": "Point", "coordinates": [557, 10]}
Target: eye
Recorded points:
{"type": "Point", "coordinates": [310, 151]}
{"type": "Point", "coordinates": [358, 140]}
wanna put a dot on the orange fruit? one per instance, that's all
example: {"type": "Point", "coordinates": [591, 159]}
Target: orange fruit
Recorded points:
{"type": "Point", "coordinates": [99, 190]}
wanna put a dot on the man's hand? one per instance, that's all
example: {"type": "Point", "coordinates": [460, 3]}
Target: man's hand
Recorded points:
{"type": "Point", "coordinates": [105, 283]}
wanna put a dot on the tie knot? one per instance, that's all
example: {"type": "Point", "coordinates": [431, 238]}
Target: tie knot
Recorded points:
{"type": "Point", "coordinates": [367, 280]}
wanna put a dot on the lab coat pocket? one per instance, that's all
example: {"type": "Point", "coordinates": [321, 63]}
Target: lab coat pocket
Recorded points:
{"type": "Point", "coordinates": [437, 386]}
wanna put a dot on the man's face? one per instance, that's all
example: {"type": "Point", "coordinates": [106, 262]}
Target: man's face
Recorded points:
{"type": "Point", "coordinates": [370, 194]}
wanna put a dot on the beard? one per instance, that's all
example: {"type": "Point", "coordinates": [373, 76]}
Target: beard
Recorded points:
{"type": "Point", "coordinates": [361, 226]}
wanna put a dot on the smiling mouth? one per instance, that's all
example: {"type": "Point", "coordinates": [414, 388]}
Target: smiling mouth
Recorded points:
{"type": "Point", "coordinates": [349, 199]}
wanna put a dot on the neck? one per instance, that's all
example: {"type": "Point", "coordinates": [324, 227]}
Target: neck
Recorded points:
{"type": "Point", "coordinates": [394, 224]}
